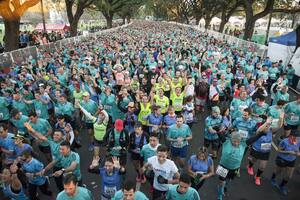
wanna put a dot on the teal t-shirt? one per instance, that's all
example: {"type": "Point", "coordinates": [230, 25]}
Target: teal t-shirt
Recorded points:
{"type": "Point", "coordinates": [21, 106]}
{"type": "Point", "coordinates": [66, 161]}
{"type": "Point", "coordinates": [292, 113]}
{"type": "Point", "coordinates": [148, 151]}
{"type": "Point", "coordinates": [237, 107]}
{"type": "Point", "coordinates": [183, 131]}
{"type": "Point", "coordinates": [54, 146]}
{"type": "Point", "coordinates": [259, 110]}
{"type": "Point", "coordinates": [91, 107]}
{"type": "Point", "coordinates": [232, 156]}
{"type": "Point", "coordinates": [64, 109]}
{"type": "Point", "coordinates": [211, 122]}
{"type": "Point", "coordinates": [41, 109]}
{"type": "Point", "coordinates": [19, 124]}
{"type": "Point", "coordinates": [119, 195]}
{"type": "Point", "coordinates": [4, 112]}
{"type": "Point", "coordinates": [191, 194]}
{"type": "Point", "coordinates": [42, 126]}
{"type": "Point", "coordinates": [81, 194]}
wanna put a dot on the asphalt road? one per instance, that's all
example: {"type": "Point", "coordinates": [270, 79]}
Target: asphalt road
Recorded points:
{"type": "Point", "coordinates": [242, 188]}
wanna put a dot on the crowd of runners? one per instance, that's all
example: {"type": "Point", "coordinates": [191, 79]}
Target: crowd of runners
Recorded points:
{"type": "Point", "coordinates": [135, 94]}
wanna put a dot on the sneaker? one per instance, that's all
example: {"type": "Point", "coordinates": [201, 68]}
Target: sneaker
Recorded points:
{"type": "Point", "coordinates": [143, 179]}
{"type": "Point", "coordinates": [283, 190]}
{"type": "Point", "coordinates": [273, 182]}
{"type": "Point", "coordinates": [250, 171]}
{"type": "Point", "coordinates": [91, 147]}
{"type": "Point", "coordinates": [138, 179]}
{"type": "Point", "coordinates": [257, 180]}
{"type": "Point", "coordinates": [238, 174]}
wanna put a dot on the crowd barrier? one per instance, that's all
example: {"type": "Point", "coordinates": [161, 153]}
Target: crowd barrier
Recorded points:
{"type": "Point", "coordinates": [261, 50]}
{"type": "Point", "coordinates": [7, 59]}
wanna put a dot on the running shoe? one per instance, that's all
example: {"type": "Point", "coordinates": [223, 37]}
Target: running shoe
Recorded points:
{"type": "Point", "coordinates": [257, 180]}
{"type": "Point", "coordinates": [273, 182]}
{"type": "Point", "coordinates": [282, 190]}
{"type": "Point", "coordinates": [250, 171]}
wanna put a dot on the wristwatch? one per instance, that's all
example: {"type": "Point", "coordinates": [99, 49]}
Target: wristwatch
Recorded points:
{"type": "Point", "coordinates": [63, 170]}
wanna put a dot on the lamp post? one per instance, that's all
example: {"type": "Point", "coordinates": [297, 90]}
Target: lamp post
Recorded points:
{"type": "Point", "coordinates": [43, 16]}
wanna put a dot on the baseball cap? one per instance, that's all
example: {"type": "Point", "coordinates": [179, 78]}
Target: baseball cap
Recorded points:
{"type": "Point", "coordinates": [18, 136]}
{"type": "Point", "coordinates": [119, 125]}
{"type": "Point", "coordinates": [85, 94]}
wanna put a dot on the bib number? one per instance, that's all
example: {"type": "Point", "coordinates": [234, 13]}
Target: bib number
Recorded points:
{"type": "Point", "coordinates": [110, 191]}
{"type": "Point", "coordinates": [294, 118]}
{"type": "Point", "coordinates": [242, 108]}
{"type": "Point", "coordinates": [265, 146]}
{"type": "Point", "coordinates": [38, 112]}
{"type": "Point", "coordinates": [221, 171]}
{"type": "Point", "coordinates": [243, 133]}
{"type": "Point", "coordinates": [275, 122]}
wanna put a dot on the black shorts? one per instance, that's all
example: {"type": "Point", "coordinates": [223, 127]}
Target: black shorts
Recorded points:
{"type": "Point", "coordinates": [290, 127]}
{"type": "Point", "coordinates": [89, 125]}
{"type": "Point", "coordinates": [98, 143]}
{"type": "Point", "coordinates": [214, 143]}
{"type": "Point", "coordinates": [284, 163]}
{"type": "Point", "coordinates": [260, 155]}
{"type": "Point", "coordinates": [230, 175]}
{"type": "Point", "coordinates": [45, 149]}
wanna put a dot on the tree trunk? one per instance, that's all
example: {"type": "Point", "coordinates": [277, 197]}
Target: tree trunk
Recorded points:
{"type": "Point", "coordinates": [128, 19]}
{"type": "Point", "coordinates": [222, 25]}
{"type": "Point", "coordinates": [198, 20]}
{"type": "Point", "coordinates": [249, 28]}
{"type": "Point", "coordinates": [73, 27]}
{"type": "Point", "coordinates": [11, 38]}
{"type": "Point", "coordinates": [207, 22]}
{"type": "Point", "coordinates": [109, 20]}
{"type": "Point", "coordinates": [123, 20]}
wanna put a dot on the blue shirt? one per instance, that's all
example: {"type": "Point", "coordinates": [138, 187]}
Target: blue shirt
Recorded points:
{"type": "Point", "coordinates": [13, 196]}
{"type": "Point", "coordinates": [285, 145]}
{"type": "Point", "coordinates": [198, 165]}
{"type": "Point", "coordinates": [8, 144]}
{"type": "Point", "coordinates": [34, 166]}
{"type": "Point", "coordinates": [245, 127]}
{"type": "Point", "coordinates": [264, 143]}
{"type": "Point", "coordinates": [110, 183]}
{"type": "Point", "coordinates": [168, 120]}
{"type": "Point", "coordinates": [19, 151]}
{"type": "Point", "coordinates": [155, 120]}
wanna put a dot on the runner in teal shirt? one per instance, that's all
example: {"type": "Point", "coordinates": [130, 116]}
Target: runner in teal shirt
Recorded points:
{"type": "Point", "coordinates": [4, 112]}
{"type": "Point", "coordinates": [129, 192]}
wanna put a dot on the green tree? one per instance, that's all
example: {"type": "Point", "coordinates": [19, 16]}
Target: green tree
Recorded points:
{"type": "Point", "coordinates": [79, 6]}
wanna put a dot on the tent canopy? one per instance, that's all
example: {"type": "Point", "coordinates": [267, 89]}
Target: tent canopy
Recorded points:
{"type": "Point", "coordinates": [287, 39]}
{"type": "Point", "coordinates": [52, 27]}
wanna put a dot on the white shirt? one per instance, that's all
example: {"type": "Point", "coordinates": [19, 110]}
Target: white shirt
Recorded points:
{"type": "Point", "coordinates": [167, 170]}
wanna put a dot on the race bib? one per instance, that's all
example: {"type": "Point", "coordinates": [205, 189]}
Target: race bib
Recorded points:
{"type": "Point", "coordinates": [294, 118]}
{"type": "Point", "coordinates": [221, 171]}
{"type": "Point", "coordinates": [38, 112]}
{"type": "Point", "coordinates": [107, 107]}
{"type": "Point", "coordinates": [242, 108]}
{"type": "Point", "coordinates": [110, 191]}
{"type": "Point", "coordinates": [1, 116]}
{"type": "Point", "coordinates": [177, 144]}
{"type": "Point", "coordinates": [265, 146]}
{"type": "Point", "coordinates": [275, 122]}
{"type": "Point", "coordinates": [243, 133]}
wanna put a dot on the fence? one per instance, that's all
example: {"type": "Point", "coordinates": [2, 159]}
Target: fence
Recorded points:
{"type": "Point", "coordinates": [20, 56]}
{"type": "Point", "coordinates": [260, 50]}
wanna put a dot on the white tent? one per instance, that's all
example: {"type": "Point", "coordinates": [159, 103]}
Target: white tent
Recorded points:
{"type": "Point", "coordinates": [282, 47]}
